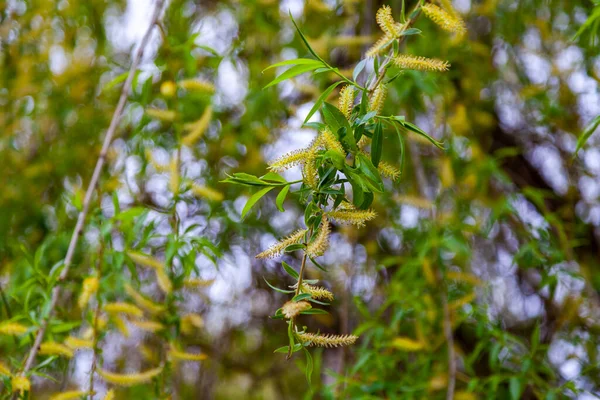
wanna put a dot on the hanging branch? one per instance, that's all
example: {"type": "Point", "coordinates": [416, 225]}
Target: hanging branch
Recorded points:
{"type": "Point", "coordinates": [92, 185]}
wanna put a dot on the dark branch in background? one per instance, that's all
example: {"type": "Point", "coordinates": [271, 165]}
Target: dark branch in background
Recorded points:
{"type": "Point", "coordinates": [92, 186]}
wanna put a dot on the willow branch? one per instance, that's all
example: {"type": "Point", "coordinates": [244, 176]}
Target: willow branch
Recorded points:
{"type": "Point", "coordinates": [386, 64]}
{"type": "Point", "coordinates": [92, 185]}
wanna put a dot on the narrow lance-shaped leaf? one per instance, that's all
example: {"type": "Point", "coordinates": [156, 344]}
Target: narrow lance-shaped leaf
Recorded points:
{"type": "Point", "coordinates": [321, 99]}
{"type": "Point", "coordinates": [254, 198]}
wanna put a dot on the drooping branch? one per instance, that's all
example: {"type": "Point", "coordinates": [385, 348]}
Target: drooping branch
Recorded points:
{"type": "Point", "coordinates": [56, 291]}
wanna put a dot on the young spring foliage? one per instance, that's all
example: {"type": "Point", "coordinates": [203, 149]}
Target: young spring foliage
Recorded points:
{"type": "Point", "coordinates": [342, 170]}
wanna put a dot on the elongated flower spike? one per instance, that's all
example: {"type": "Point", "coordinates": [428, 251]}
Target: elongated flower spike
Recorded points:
{"type": "Point", "coordinates": [388, 170]}
{"type": "Point", "coordinates": [354, 217]}
{"type": "Point", "coordinates": [376, 103]}
{"type": "Point", "coordinates": [198, 128]}
{"type": "Point", "coordinates": [280, 246]}
{"type": "Point", "coordinates": [20, 384]}
{"type": "Point", "coordinates": [445, 20]}
{"type": "Point", "coordinates": [346, 101]}
{"type": "Point", "coordinates": [12, 328]}
{"type": "Point", "coordinates": [331, 142]}
{"type": "Point", "coordinates": [421, 63]}
{"type": "Point", "coordinates": [313, 339]}
{"type": "Point", "coordinates": [289, 160]}
{"type": "Point", "coordinates": [70, 395]}
{"type": "Point", "coordinates": [316, 292]}
{"type": "Point", "coordinates": [292, 308]}
{"type": "Point", "coordinates": [129, 379]}
{"type": "Point", "coordinates": [123, 308]}
{"type": "Point", "coordinates": [90, 286]}
{"type": "Point", "coordinates": [386, 22]}
{"type": "Point", "coordinates": [110, 395]}
{"type": "Point", "coordinates": [318, 246]}
{"type": "Point", "coordinates": [144, 302]}
{"type": "Point", "coordinates": [379, 47]}
{"type": "Point", "coordinates": [55, 349]}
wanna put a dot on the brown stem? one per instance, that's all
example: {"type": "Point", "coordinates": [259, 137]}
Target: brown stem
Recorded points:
{"type": "Point", "coordinates": [92, 186]}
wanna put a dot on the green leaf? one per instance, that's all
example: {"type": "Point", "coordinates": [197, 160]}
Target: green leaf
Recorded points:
{"type": "Point", "coordinates": [281, 198]}
{"type": "Point", "coordinates": [305, 40]}
{"type": "Point", "coordinates": [254, 198]}
{"type": "Point", "coordinates": [309, 366]}
{"type": "Point", "coordinates": [241, 178]}
{"type": "Point", "coordinates": [321, 99]}
{"type": "Point", "coordinates": [291, 271]}
{"type": "Point", "coordinates": [358, 69]}
{"type": "Point", "coordinates": [272, 176]}
{"type": "Point", "coordinates": [294, 247]}
{"type": "Point", "coordinates": [292, 72]}
{"type": "Point", "coordinates": [286, 349]}
{"type": "Point", "coordinates": [297, 61]}
{"type": "Point", "coordinates": [515, 388]}
{"type": "Point", "coordinates": [377, 144]}
{"type": "Point", "coordinates": [301, 296]}
{"type": "Point", "coordinates": [314, 311]}
{"type": "Point", "coordinates": [585, 135]}
{"type": "Point", "coordinates": [411, 31]}
{"type": "Point", "coordinates": [419, 131]}
{"type": "Point", "coordinates": [336, 121]}
{"type": "Point", "coordinates": [277, 289]}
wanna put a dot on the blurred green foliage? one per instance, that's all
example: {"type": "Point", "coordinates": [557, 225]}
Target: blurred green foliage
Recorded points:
{"type": "Point", "coordinates": [495, 238]}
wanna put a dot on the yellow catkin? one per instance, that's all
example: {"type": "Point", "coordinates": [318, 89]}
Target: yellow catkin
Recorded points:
{"type": "Point", "coordinates": [197, 85]}
{"type": "Point", "coordinates": [12, 328]}
{"type": "Point", "coordinates": [407, 344]}
{"type": "Point", "coordinates": [292, 308]}
{"type": "Point", "coordinates": [317, 292]}
{"type": "Point", "coordinates": [327, 340]}
{"type": "Point", "coordinates": [289, 160]}
{"type": "Point", "coordinates": [174, 176]}
{"type": "Point", "coordinates": [4, 370]}
{"type": "Point", "coordinates": [386, 22]}
{"type": "Point", "coordinates": [168, 89]}
{"type": "Point", "coordinates": [77, 343]}
{"type": "Point", "coordinates": [318, 246]}
{"type": "Point", "coordinates": [376, 103]}
{"type": "Point", "coordinates": [346, 101]}
{"type": "Point", "coordinates": [143, 302]}
{"type": "Point", "coordinates": [363, 142]}
{"type": "Point", "coordinates": [178, 355]}
{"type": "Point", "coordinates": [388, 170]}
{"type": "Point", "coordinates": [207, 193]}
{"type": "Point", "coordinates": [110, 395]}
{"type": "Point", "coordinates": [129, 379]}
{"type": "Point", "coordinates": [163, 280]}
{"type": "Point", "coordinates": [145, 260]}
{"type": "Point", "coordinates": [20, 384]}
{"type": "Point", "coordinates": [123, 308]}
{"type": "Point", "coordinates": [198, 128]}
{"type": "Point", "coordinates": [331, 142]}
{"type": "Point", "coordinates": [354, 217]}
{"type": "Point", "coordinates": [149, 326]}
{"type": "Point", "coordinates": [70, 395]}
{"type": "Point", "coordinates": [421, 63]}
{"type": "Point", "coordinates": [197, 282]}
{"type": "Point", "coordinates": [379, 47]}
{"type": "Point", "coordinates": [309, 173]}
{"type": "Point", "coordinates": [447, 21]}
{"type": "Point", "coordinates": [55, 349]}
{"type": "Point", "coordinates": [189, 323]}
{"type": "Point", "coordinates": [90, 286]}
{"type": "Point", "coordinates": [163, 115]}
{"type": "Point", "coordinates": [278, 248]}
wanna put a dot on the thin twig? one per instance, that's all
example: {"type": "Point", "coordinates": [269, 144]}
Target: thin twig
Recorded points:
{"type": "Point", "coordinates": [92, 186]}
{"type": "Point", "coordinates": [450, 343]}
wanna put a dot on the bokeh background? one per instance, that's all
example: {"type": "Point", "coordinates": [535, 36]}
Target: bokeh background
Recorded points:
{"type": "Point", "coordinates": [511, 213]}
